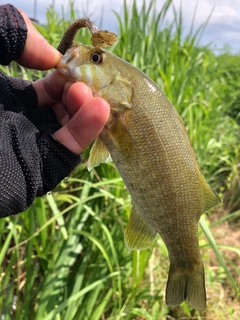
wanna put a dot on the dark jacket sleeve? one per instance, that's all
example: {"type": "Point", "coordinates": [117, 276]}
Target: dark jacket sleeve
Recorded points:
{"type": "Point", "coordinates": [32, 162]}
{"type": "Point", "coordinates": [13, 34]}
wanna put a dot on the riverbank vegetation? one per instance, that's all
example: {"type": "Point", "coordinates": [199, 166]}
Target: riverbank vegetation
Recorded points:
{"type": "Point", "coordinates": [65, 257]}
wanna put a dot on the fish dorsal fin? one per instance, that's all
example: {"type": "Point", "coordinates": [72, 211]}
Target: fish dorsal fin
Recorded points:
{"type": "Point", "coordinates": [139, 234]}
{"type": "Point", "coordinates": [98, 154]}
{"type": "Point", "coordinates": [210, 198]}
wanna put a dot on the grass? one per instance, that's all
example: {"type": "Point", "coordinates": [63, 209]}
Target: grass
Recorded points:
{"type": "Point", "coordinates": [65, 258]}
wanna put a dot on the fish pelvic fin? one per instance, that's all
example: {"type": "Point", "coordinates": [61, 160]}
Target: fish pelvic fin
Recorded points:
{"type": "Point", "coordinates": [139, 234]}
{"type": "Point", "coordinates": [98, 154]}
{"type": "Point", "coordinates": [186, 285]}
{"type": "Point", "coordinates": [210, 198]}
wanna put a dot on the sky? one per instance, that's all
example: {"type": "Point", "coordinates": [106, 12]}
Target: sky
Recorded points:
{"type": "Point", "coordinates": [223, 27]}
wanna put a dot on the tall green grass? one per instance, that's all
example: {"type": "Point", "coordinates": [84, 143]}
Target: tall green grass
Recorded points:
{"type": "Point", "coordinates": [64, 257]}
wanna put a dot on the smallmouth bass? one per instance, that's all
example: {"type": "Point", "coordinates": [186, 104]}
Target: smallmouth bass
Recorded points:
{"type": "Point", "coordinates": [146, 139]}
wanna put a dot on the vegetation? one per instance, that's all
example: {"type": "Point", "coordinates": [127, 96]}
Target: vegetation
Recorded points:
{"type": "Point", "coordinates": [65, 258]}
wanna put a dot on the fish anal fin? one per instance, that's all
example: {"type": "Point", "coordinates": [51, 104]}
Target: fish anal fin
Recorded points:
{"type": "Point", "coordinates": [139, 235]}
{"type": "Point", "coordinates": [98, 154]}
{"type": "Point", "coordinates": [186, 285]}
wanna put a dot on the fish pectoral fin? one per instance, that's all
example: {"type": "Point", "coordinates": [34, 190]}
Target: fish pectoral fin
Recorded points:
{"type": "Point", "coordinates": [139, 234]}
{"type": "Point", "coordinates": [98, 154]}
{"type": "Point", "coordinates": [119, 135]}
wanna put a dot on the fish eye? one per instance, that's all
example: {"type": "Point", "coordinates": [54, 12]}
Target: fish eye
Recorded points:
{"type": "Point", "coordinates": [96, 58]}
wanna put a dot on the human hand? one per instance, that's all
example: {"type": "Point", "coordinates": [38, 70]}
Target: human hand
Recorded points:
{"type": "Point", "coordinates": [81, 115]}
{"type": "Point", "coordinates": [33, 162]}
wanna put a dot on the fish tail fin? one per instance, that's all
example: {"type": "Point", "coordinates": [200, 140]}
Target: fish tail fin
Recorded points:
{"type": "Point", "coordinates": [186, 285]}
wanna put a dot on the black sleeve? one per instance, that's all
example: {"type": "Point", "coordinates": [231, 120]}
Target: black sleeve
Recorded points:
{"type": "Point", "coordinates": [13, 34]}
{"type": "Point", "coordinates": [32, 162]}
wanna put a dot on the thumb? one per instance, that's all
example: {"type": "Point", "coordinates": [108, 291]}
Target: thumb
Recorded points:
{"type": "Point", "coordinates": [37, 53]}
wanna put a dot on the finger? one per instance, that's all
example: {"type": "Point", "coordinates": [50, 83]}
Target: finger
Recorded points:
{"type": "Point", "coordinates": [37, 53]}
{"type": "Point", "coordinates": [76, 95]}
{"type": "Point", "coordinates": [61, 113]}
{"type": "Point", "coordinates": [50, 89]}
{"type": "Point", "coordinates": [85, 125]}
{"type": "Point", "coordinates": [56, 87]}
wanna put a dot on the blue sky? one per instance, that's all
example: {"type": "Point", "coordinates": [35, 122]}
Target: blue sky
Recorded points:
{"type": "Point", "coordinates": [223, 28]}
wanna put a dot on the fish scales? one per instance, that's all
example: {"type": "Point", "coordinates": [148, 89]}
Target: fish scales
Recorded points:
{"type": "Point", "coordinates": [150, 147]}
{"type": "Point", "coordinates": [170, 166]}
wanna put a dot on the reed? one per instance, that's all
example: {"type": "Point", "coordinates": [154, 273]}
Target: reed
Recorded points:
{"type": "Point", "coordinates": [65, 257]}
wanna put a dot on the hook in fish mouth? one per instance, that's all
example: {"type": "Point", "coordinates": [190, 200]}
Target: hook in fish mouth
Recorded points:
{"type": "Point", "coordinates": [100, 38]}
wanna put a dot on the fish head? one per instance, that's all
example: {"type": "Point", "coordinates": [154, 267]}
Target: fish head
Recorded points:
{"type": "Point", "coordinates": [104, 73]}
{"type": "Point", "coordinates": [101, 71]}
{"type": "Point", "coordinates": [88, 64]}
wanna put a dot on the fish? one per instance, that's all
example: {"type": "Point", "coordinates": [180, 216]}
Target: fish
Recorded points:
{"type": "Point", "coordinates": [146, 139]}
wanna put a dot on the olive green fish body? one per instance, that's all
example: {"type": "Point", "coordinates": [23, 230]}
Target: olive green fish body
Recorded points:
{"type": "Point", "coordinates": [149, 145]}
